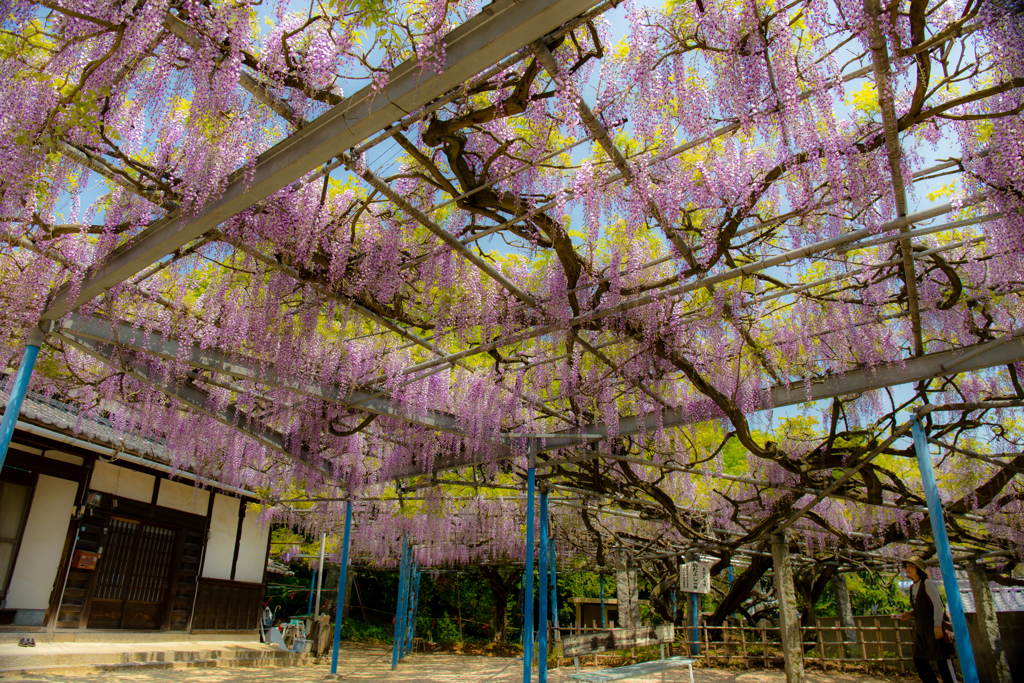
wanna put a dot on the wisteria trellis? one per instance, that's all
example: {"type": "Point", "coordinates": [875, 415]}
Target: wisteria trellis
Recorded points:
{"type": "Point", "coordinates": [679, 223]}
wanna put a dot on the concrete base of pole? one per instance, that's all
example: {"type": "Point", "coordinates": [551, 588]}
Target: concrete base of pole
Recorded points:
{"type": "Point", "coordinates": [991, 655]}
{"type": "Point", "coordinates": [789, 617]}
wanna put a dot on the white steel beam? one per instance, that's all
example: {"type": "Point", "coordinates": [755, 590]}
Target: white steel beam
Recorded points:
{"type": "Point", "coordinates": [972, 358]}
{"type": "Point", "coordinates": [80, 328]}
{"type": "Point", "coordinates": [500, 29]}
{"type": "Point", "coordinates": [198, 400]}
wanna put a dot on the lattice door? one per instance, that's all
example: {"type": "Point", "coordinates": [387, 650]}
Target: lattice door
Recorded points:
{"type": "Point", "coordinates": [133, 576]}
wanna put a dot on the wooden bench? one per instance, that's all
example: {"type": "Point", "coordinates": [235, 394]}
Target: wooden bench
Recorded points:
{"type": "Point", "coordinates": [624, 639]}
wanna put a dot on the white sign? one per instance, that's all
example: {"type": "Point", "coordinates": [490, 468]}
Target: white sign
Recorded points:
{"type": "Point", "coordinates": [695, 577]}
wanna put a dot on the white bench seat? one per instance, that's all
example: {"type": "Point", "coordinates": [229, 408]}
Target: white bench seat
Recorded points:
{"type": "Point", "coordinates": [624, 639]}
{"type": "Point", "coordinates": [635, 670]}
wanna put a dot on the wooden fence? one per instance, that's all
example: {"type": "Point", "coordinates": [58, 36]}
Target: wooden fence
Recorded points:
{"type": "Point", "coordinates": [878, 642]}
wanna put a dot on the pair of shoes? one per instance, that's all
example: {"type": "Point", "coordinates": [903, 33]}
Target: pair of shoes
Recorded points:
{"type": "Point", "coordinates": [27, 642]}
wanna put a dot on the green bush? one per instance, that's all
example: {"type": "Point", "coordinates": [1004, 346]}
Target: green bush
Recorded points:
{"type": "Point", "coordinates": [447, 630]}
{"type": "Point", "coordinates": [357, 631]}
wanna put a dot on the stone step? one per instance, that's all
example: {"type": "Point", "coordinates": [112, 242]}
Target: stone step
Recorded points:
{"type": "Point", "coordinates": [284, 660]}
{"type": "Point", "coordinates": [50, 659]}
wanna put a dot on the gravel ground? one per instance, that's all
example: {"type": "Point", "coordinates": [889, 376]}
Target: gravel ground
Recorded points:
{"type": "Point", "coordinates": [374, 664]}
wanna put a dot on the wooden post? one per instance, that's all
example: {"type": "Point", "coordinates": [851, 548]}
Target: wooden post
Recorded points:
{"type": "Point", "coordinates": [842, 653]}
{"type": "Point", "coordinates": [764, 645]}
{"type": "Point", "coordinates": [743, 645]}
{"type": "Point", "coordinates": [881, 645]}
{"type": "Point", "coordinates": [821, 644]}
{"type": "Point", "coordinates": [899, 647]}
{"type": "Point", "coordinates": [863, 645]}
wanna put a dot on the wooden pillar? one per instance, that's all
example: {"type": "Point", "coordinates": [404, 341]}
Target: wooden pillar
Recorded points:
{"type": "Point", "coordinates": [789, 618]}
{"type": "Point", "coordinates": [991, 656]}
{"type": "Point", "coordinates": [845, 610]}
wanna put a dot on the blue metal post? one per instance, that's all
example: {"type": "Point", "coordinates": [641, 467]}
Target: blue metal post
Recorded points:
{"type": "Point", "coordinates": [522, 610]}
{"type": "Point", "coordinates": [554, 586]}
{"type": "Point", "coordinates": [542, 588]}
{"type": "Point", "coordinates": [942, 549]}
{"type": "Point", "coordinates": [396, 647]}
{"type": "Point", "coordinates": [342, 578]}
{"type": "Point", "coordinates": [407, 598]}
{"type": "Point", "coordinates": [694, 617]}
{"type": "Point", "coordinates": [13, 408]}
{"type": "Point", "coordinates": [601, 577]}
{"type": "Point", "coordinates": [414, 601]}
{"type": "Point", "coordinates": [675, 608]}
{"type": "Point", "coordinates": [528, 574]}
{"type": "Point", "coordinates": [312, 587]}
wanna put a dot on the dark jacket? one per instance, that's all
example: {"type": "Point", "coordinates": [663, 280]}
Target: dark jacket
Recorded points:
{"type": "Point", "coordinates": [926, 645]}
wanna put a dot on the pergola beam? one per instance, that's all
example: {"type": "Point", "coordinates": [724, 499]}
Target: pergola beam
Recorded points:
{"type": "Point", "coordinates": [970, 359]}
{"type": "Point", "coordinates": [198, 400]}
{"type": "Point", "coordinates": [500, 29]}
{"type": "Point", "coordinates": [81, 328]}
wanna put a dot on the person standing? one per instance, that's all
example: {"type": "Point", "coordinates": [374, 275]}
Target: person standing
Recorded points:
{"type": "Point", "coordinates": [929, 616]}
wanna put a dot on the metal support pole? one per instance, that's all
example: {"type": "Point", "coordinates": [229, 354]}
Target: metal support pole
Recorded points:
{"type": "Point", "coordinates": [406, 598]}
{"type": "Point", "coordinates": [522, 608]}
{"type": "Point", "coordinates": [694, 599]}
{"type": "Point", "coordinates": [942, 549]}
{"type": "Point", "coordinates": [312, 592]}
{"type": "Point", "coordinates": [542, 588]}
{"type": "Point", "coordinates": [601, 577]}
{"type": "Point", "coordinates": [342, 578]}
{"type": "Point", "coordinates": [410, 620]}
{"type": "Point", "coordinates": [13, 408]}
{"type": "Point", "coordinates": [400, 607]}
{"type": "Point", "coordinates": [528, 571]}
{"type": "Point", "coordinates": [320, 574]}
{"type": "Point", "coordinates": [554, 587]}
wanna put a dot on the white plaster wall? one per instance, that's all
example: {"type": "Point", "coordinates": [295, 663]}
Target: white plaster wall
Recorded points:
{"type": "Point", "coordinates": [65, 457]}
{"type": "Point", "coordinates": [252, 552]}
{"type": "Point", "coordinates": [220, 549]}
{"type": "Point", "coordinates": [183, 497]}
{"type": "Point", "coordinates": [123, 482]}
{"type": "Point", "coordinates": [42, 543]}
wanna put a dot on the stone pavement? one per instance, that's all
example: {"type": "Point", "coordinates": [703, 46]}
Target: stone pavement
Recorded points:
{"type": "Point", "coordinates": [361, 663]}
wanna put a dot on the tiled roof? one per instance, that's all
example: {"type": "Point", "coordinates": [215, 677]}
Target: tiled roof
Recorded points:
{"type": "Point", "coordinates": [278, 568]}
{"type": "Point", "coordinates": [66, 418]}
{"type": "Point", "coordinates": [1006, 598]}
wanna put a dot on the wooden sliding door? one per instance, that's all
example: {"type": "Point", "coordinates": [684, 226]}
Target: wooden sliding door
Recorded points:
{"type": "Point", "coordinates": [132, 585]}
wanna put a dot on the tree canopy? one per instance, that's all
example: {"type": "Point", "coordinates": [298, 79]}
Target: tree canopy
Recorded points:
{"type": "Point", "coordinates": [627, 239]}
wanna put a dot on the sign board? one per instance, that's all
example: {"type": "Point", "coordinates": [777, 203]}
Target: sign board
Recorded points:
{"type": "Point", "coordinates": [617, 639]}
{"type": "Point", "coordinates": [695, 577]}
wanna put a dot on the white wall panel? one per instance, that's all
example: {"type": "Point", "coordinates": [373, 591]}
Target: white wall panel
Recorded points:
{"type": "Point", "coordinates": [220, 549]}
{"type": "Point", "coordinates": [252, 553]}
{"type": "Point", "coordinates": [123, 482]}
{"type": "Point", "coordinates": [183, 497]}
{"type": "Point", "coordinates": [42, 543]}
